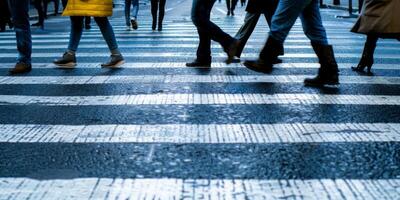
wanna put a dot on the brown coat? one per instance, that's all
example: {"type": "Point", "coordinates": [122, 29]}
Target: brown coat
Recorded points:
{"type": "Point", "coordinates": [381, 17]}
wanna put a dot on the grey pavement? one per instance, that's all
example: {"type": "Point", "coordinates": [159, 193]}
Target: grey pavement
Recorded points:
{"type": "Point", "coordinates": [155, 129]}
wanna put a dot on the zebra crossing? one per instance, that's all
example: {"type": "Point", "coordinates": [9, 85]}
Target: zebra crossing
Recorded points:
{"type": "Point", "coordinates": [158, 130]}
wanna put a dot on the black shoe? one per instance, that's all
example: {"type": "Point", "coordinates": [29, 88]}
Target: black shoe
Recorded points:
{"type": "Point", "coordinates": [114, 61]}
{"type": "Point", "coordinates": [229, 13]}
{"type": "Point", "coordinates": [199, 63]}
{"type": "Point", "coordinates": [268, 57]}
{"type": "Point", "coordinates": [231, 51]}
{"type": "Point", "coordinates": [328, 72]}
{"type": "Point", "coordinates": [367, 58]}
{"type": "Point", "coordinates": [134, 24]}
{"type": "Point", "coordinates": [232, 13]}
{"type": "Point", "coordinates": [21, 68]}
{"type": "Point", "coordinates": [67, 61]}
{"type": "Point", "coordinates": [88, 26]}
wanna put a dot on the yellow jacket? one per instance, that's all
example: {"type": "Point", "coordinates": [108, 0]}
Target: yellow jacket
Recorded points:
{"type": "Point", "coordinates": [92, 8]}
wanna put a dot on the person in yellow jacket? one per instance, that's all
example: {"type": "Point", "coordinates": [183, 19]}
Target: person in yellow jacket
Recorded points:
{"type": "Point", "coordinates": [100, 10]}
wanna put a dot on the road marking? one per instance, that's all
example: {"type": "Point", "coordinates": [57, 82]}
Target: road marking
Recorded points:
{"type": "Point", "coordinates": [200, 99]}
{"type": "Point", "coordinates": [127, 79]}
{"type": "Point", "coordinates": [169, 46]}
{"type": "Point", "coordinates": [194, 39]}
{"type": "Point", "coordinates": [171, 188]}
{"type": "Point", "coordinates": [181, 65]}
{"type": "Point", "coordinates": [193, 54]}
{"type": "Point", "coordinates": [202, 133]}
{"type": "Point", "coordinates": [155, 35]}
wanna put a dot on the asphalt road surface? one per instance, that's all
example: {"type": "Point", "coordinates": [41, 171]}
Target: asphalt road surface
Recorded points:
{"type": "Point", "coordinates": [158, 130]}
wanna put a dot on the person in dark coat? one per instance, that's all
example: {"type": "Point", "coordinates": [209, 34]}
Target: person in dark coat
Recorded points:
{"type": "Point", "coordinates": [5, 16]}
{"type": "Point", "coordinates": [254, 10]}
{"type": "Point", "coordinates": [378, 19]}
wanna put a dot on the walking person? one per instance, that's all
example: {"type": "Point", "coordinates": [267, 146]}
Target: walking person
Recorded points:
{"type": "Point", "coordinates": [254, 10]}
{"type": "Point", "coordinates": [131, 14]}
{"type": "Point", "coordinates": [282, 21]}
{"type": "Point", "coordinates": [39, 5]}
{"type": "Point", "coordinates": [5, 16]}
{"type": "Point", "coordinates": [56, 6]}
{"type": "Point", "coordinates": [208, 31]}
{"type": "Point", "coordinates": [378, 19]}
{"type": "Point", "coordinates": [157, 5]}
{"type": "Point", "coordinates": [20, 17]}
{"type": "Point", "coordinates": [100, 9]}
{"type": "Point", "coordinates": [231, 5]}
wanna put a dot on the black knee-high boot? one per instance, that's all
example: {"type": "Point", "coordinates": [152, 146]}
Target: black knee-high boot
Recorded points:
{"type": "Point", "coordinates": [367, 58]}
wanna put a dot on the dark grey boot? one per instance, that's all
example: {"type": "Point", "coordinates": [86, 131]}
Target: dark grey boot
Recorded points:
{"type": "Point", "coordinates": [268, 57]}
{"type": "Point", "coordinates": [328, 72]}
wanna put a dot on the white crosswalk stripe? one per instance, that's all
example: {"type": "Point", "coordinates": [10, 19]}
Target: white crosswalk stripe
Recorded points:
{"type": "Point", "coordinates": [79, 80]}
{"type": "Point", "coordinates": [200, 99]}
{"type": "Point", "coordinates": [156, 160]}
{"type": "Point", "coordinates": [200, 133]}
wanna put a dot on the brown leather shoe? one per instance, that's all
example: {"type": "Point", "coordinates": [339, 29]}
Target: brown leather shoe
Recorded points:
{"type": "Point", "coordinates": [21, 68]}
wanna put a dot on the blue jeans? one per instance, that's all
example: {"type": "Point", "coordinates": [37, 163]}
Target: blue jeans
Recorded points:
{"type": "Point", "coordinates": [207, 30]}
{"type": "Point", "coordinates": [105, 28]}
{"type": "Point", "coordinates": [128, 12]}
{"type": "Point", "coordinates": [286, 15]}
{"type": "Point", "coordinates": [20, 16]}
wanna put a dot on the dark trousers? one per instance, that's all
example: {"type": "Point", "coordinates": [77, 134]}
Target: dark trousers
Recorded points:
{"type": "Point", "coordinates": [5, 15]}
{"type": "Point", "coordinates": [39, 5]}
{"type": "Point", "coordinates": [158, 5]}
{"type": "Point", "coordinates": [231, 4]}
{"type": "Point", "coordinates": [56, 6]}
{"type": "Point", "coordinates": [20, 16]}
{"type": "Point", "coordinates": [207, 30]}
{"type": "Point", "coordinates": [250, 22]}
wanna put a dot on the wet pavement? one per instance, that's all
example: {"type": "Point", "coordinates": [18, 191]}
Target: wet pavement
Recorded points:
{"type": "Point", "coordinates": [158, 130]}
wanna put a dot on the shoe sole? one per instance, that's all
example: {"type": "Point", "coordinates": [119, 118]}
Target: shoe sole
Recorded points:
{"type": "Point", "coordinates": [66, 66]}
{"type": "Point", "coordinates": [20, 72]}
{"type": "Point", "coordinates": [116, 65]}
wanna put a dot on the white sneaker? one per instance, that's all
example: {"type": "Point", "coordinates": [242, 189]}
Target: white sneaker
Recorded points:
{"type": "Point", "coordinates": [128, 28]}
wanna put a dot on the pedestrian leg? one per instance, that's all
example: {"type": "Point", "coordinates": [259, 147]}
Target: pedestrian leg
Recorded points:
{"type": "Point", "coordinates": [228, 7]}
{"type": "Point", "coordinates": [161, 14]}
{"type": "Point", "coordinates": [68, 60]}
{"type": "Point", "coordinates": [367, 58]}
{"type": "Point", "coordinates": [315, 31]}
{"type": "Point", "coordinates": [87, 23]}
{"type": "Point", "coordinates": [39, 7]}
{"type": "Point", "coordinates": [107, 31]}
{"type": "Point", "coordinates": [154, 8]}
{"type": "Point", "coordinates": [20, 16]}
{"type": "Point", "coordinates": [245, 31]}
